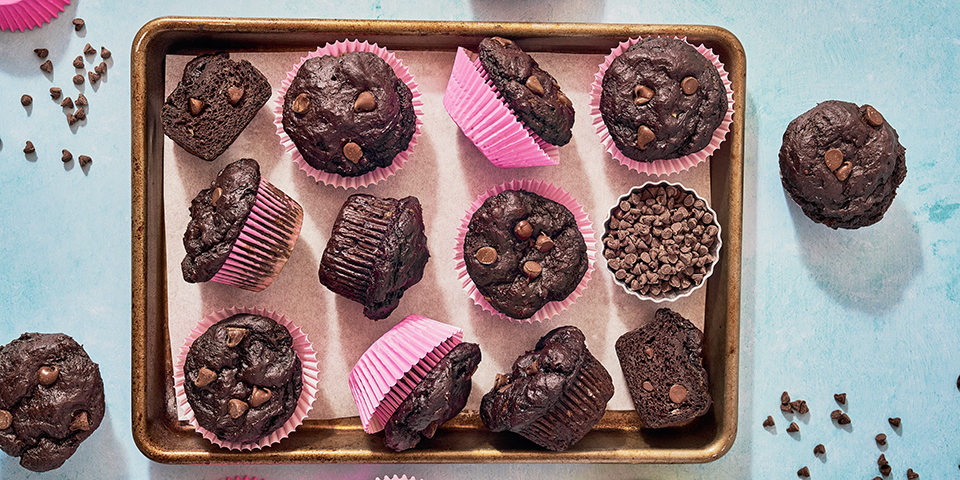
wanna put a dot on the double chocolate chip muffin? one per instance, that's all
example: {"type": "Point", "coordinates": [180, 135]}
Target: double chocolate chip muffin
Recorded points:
{"type": "Point", "coordinates": [243, 378]}
{"type": "Point", "coordinates": [532, 93]}
{"type": "Point", "coordinates": [522, 251]}
{"type": "Point", "coordinates": [51, 399]}
{"type": "Point", "coordinates": [348, 114]}
{"type": "Point", "coordinates": [842, 164]}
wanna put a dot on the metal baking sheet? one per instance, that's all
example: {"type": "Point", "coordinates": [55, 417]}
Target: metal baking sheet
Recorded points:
{"type": "Point", "coordinates": [163, 437]}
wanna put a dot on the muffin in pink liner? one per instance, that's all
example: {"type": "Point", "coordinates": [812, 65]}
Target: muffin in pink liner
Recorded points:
{"type": "Point", "coordinates": [661, 241]}
{"type": "Point", "coordinates": [661, 166]}
{"type": "Point", "coordinates": [242, 230]}
{"type": "Point", "coordinates": [393, 365]}
{"type": "Point", "coordinates": [483, 116]}
{"type": "Point", "coordinates": [550, 192]}
{"type": "Point", "coordinates": [376, 175]}
{"type": "Point", "coordinates": [301, 346]}
{"type": "Point", "coordinates": [20, 15]}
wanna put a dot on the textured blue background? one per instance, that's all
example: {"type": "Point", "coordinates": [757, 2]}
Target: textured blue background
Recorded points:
{"type": "Point", "coordinates": [872, 312]}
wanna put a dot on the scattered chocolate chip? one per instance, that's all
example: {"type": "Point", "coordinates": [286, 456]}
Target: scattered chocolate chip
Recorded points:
{"type": "Point", "coordinates": [835, 414]}
{"type": "Point", "coordinates": [532, 269]}
{"type": "Point", "coordinates": [833, 158]}
{"type": "Point", "coordinates": [642, 95]}
{"type": "Point", "coordinates": [84, 160]}
{"type": "Point", "coordinates": [301, 104]}
{"type": "Point", "coordinates": [803, 472]}
{"type": "Point", "coordinates": [78, 79]}
{"type": "Point", "coordinates": [503, 41]}
{"type": "Point", "coordinates": [81, 100]}
{"type": "Point", "coordinates": [648, 352]}
{"type": "Point", "coordinates": [234, 93]}
{"type": "Point", "coordinates": [55, 92]}
{"type": "Point", "coordinates": [47, 66]}
{"type": "Point", "coordinates": [878, 478]}
{"type": "Point", "coordinates": [819, 449]}
{"type": "Point", "coordinates": [523, 230]}
{"type": "Point", "coordinates": [94, 77]}
{"type": "Point", "coordinates": [365, 102]}
{"type": "Point", "coordinates": [29, 148]}
{"type": "Point", "coordinates": [235, 336]}
{"type": "Point", "coordinates": [881, 439]}
{"type": "Point", "coordinates": [48, 374]}
{"type": "Point", "coordinates": [803, 409]}
{"type": "Point", "coordinates": [534, 86]}
{"type": "Point", "coordinates": [843, 172]}
{"type": "Point", "coordinates": [195, 106]}
{"type": "Point", "coordinates": [89, 50]}
{"type": "Point", "coordinates": [793, 428]}
{"type": "Point", "coordinates": [882, 460]}
{"type": "Point", "coordinates": [678, 393]}
{"type": "Point", "coordinates": [6, 419]}
{"type": "Point", "coordinates": [769, 422]}
{"type": "Point", "coordinates": [78, 24]}
{"type": "Point", "coordinates": [67, 156]}
{"type": "Point", "coordinates": [885, 469]}
{"type": "Point", "coordinates": [844, 419]}
{"type": "Point", "coordinates": [41, 52]}
{"type": "Point", "coordinates": [894, 422]}
{"type": "Point", "coordinates": [872, 116]}
{"type": "Point", "coordinates": [71, 118]}
{"type": "Point", "coordinates": [104, 53]}
{"type": "Point", "coordinates": [26, 100]}
{"type": "Point", "coordinates": [236, 408]}
{"type": "Point", "coordinates": [841, 398]}
{"type": "Point", "coordinates": [544, 243]}
{"type": "Point", "coordinates": [80, 114]}
{"type": "Point", "coordinates": [911, 474]}
{"type": "Point", "coordinates": [101, 68]}
{"type": "Point", "coordinates": [216, 194]}
{"type": "Point", "coordinates": [784, 398]}
{"type": "Point", "coordinates": [563, 98]}
{"type": "Point", "coordinates": [647, 385]}
{"type": "Point", "coordinates": [689, 85]}
{"type": "Point", "coordinates": [486, 255]}
{"type": "Point", "coordinates": [78, 62]}
{"type": "Point", "coordinates": [80, 422]}
{"type": "Point", "coordinates": [644, 137]}
{"type": "Point", "coordinates": [352, 151]}
{"type": "Point", "coordinates": [205, 377]}
{"type": "Point", "coordinates": [259, 396]}
{"type": "Point", "coordinates": [786, 408]}
{"type": "Point", "coordinates": [67, 103]}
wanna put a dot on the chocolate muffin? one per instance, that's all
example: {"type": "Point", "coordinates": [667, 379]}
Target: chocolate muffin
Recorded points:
{"type": "Point", "coordinates": [522, 251]}
{"type": "Point", "coordinates": [214, 101]}
{"type": "Point", "coordinates": [662, 363]}
{"type": "Point", "coordinates": [243, 378]}
{"type": "Point", "coordinates": [554, 395]}
{"type": "Point", "coordinates": [377, 250]}
{"type": "Point", "coordinates": [842, 164]}
{"type": "Point", "coordinates": [349, 114]}
{"type": "Point", "coordinates": [662, 99]}
{"type": "Point", "coordinates": [51, 399]}
{"type": "Point", "coordinates": [533, 94]}
{"type": "Point", "coordinates": [440, 396]}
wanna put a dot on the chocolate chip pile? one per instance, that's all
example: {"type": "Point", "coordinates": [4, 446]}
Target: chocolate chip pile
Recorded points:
{"type": "Point", "coordinates": [661, 240]}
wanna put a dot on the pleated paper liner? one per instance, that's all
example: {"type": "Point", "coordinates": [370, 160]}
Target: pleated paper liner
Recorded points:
{"type": "Point", "coordinates": [665, 166]}
{"type": "Point", "coordinates": [310, 377]}
{"type": "Point", "coordinates": [20, 15]}
{"type": "Point", "coordinates": [377, 175]}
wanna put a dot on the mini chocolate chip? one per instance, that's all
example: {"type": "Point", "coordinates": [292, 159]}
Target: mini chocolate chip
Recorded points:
{"type": "Point", "coordinates": [236, 407]}
{"type": "Point", "coordinates": [785, 407]}
{"type": "Point", "coordinates": [878, 478]}
{"type": "Point", "coordinates": [41, 52]}
{"type": "Point", "coordinates": [644, 137]}
{"type": "Point", "coordinates": [784, 398]}
{"type": "Point", "coordinates": [843, 172]}
{"type": "Point", "coordinates": [678, 393]}
{"type": "Point", "coordinates": [894, 422]}
{"type": "Point", "coordinates": [885, 469]}
{"type": "Point", "coordinates": [55, 92]}
{"type": "Point", "coordinates": [365, 102]}
{"type": "Point", "coordinates": [101, 68]}
{"type": "Point", "coordinates": [78, 24]}
{"type": "Point", "coordinates": [872, 116]}
{"type": "Point", "coordinates": [89, 50]}
{"type": "Point", "coordinates": [648, 352]}
{"type": "Point", "coordinates": [833, 158]}
{"type": "Point", "coordinates": [81, 100]}
{"type": "Point", "coordinates": [67, 156]}
{"type": "Point", "coordinates": [769, 422]}
{"type": "Point", "coordinates": [803, 472]}
{"type": "Point", "coordinates": [564, 99]}
{"type": "Point", "coordinates": [533, 84]}
{"type": "Point", "coordinates": [642, 94]}
{"type": "Point", "coordinates": [795, 405]}
{"type": "Point", "coordinates": [205, 377]}
{"type": "Point", "coordinates": [235, 336]}
{"type": "Point", "coordinates": [80, 422]}
{"type": "Point", "coordinates": [301, 104]}
{"type": "Point", "coordinates": [911, 474]}
{"type": "Point", "coordinates": [844, 419]}
{"type": "Point", "coordinates": [544, 243]}
{"type": "Point", "coordinates": [500, 381]}
{"type": "Point", "coordinates": [78, 79]}
{"type": "Point", "coordinates": [353, 152]}
{"type": "Point", "coordinates": [882, 460]}
{"type": "Point", "coordinates": [259, 396]}
{"type": "Point", "coordinates": [689, 85]}
{"type": "Point", "coordinates": [835, 414]}
{"type": "Point", "coordinates": [6, 419]}
{"type": "Point", "coordinates": [67, 103]}
{"type": "Point", "coordinates": [29, 148]}
{"type": "Point", "coordinates": [881, 439]}
{"type": "Point", "coordinates": [841, 398]}
{"type": "Point", "coordinates": [26, 100]}
{"type": "Point", "coordinates": [104, 53]}
{"type": "Point", "coordinates": [78, 62]}
{"type": "Point", "coordinates": [216, 194]}
{"type": "Point", "coordinates": [531, 269]}
{"type": "Point", "coordinates": [793, 428]}
{"type": "Point", "coordinates": [647, 386]}
{"type": "Point", "coordinates": [47, 66]}
{"type": "Point", "coordinates": [71, 118]}
{"type": "Point", "coordinates": [80, 114]}
{"type": "Point", "coordinates": [523, 230]}
{"type": "Point", "coordinates": [819, 449]}
{"type": "Point", "coordinates": [195, 106]}
{"type": "Point", "coordinates": [503, 41]}
{"type": "Point", "coordinates": [94, 77]}
{"type": "Point", "coordinates": [84, 160]}
{"type": "Point", "coordinates": [48, 374]}
{"type": "Point", "coordinates": [486, 255]}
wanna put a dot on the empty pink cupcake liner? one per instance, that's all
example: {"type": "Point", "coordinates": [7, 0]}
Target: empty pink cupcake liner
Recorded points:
{"type": "Point", "coordinates": [310, 376]}
{"type": "Point", "coordinates": [20, 15]}
{"type": "Point", "coordinates": [390, 368]}
{"type": "Point", "coordinates": [265, 242]}
{"type": "Point", "coordinates": [545, 190]}
{"type": "Point", "coordinates": [484, 117]}
{"type": "Point", "coordinates": [336, 49]}
{"type": "Point", "coordinates": [667, 166]}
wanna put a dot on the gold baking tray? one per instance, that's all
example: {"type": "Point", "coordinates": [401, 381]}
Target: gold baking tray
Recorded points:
{"type": "Point", "coordinates": [615, 439]}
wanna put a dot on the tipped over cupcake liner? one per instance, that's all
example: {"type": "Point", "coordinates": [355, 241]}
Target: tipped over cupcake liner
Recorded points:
{"type": "Point", "coordinates": [665, 166]}
{"type": "Point", "coordinates": [310, 377]}
{"type": "Point", "coordinates": [483, 116]}
{"type": "Point", "coordinates": [551, 192]}
{"type": "Point", "coordinates": [375, 176]}
{"type": "Point", "coordinates": [392, 366]}
{"type": "Point", "coordinates": [21, 15]}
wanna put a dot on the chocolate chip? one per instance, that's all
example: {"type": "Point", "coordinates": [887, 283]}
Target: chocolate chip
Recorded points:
{"type": "Point", "coordinates": [503, 41]}
{"type": "Point", "coordinates": [67, 103]}
{"type": "Point", "coordinates": [48, 374]}
{"type": "Point", "coordinates": [678, 393]}
{"type": "Point", "coordinates": [784, 398]}
{"type": "Point", "coordinates": [882, 460]}
{"type": "Point", "coordinates": [6, 419]}
{"type": "Point", "coordinates": [872, 116]}
{"type": "Point", "coordinates": [523, 230]}
{"type": "Point", "coordinates": [689, 85]}
{"type": "Point", "coordinates": [843, 172]}
{"type": "Point", "coordinates": [29, 148]}
{"type": "Point", "coordinates": [195, 106]}
{"type": "Point", "coordinates": [26, 100]}
{"type": "Point", "coordinates": [642, 94]}
{"type": "Point", "coordinates": [352, 151]}
{"type": "Point", "coordinates": [80, 114]}
{"type": "Point", "coordinates": [234, 93]}
{"type": "Point", "coordinates": [47, 66]}
{"type": "Point", "coordinates": [235, 336]}
{"type": "Point", "coordinates": [532, 269]}
{"type": "Point", "coordinates": [81, 100]}
{"type": "Point", "coordinates": [237, 407]}
{"type": "Point", "coordinates": [78, 24]}
{"type": "Point", "coordinates": [877, 478]}
{"type": "Point", "coordinates": [803, 472]}
{"type": "Point", "coordinates": [793, 428]}
{"type": "Point", "coordinates": [544, 243]}
{"type": "Point", "coordinates": [101, 68]}
{"type": "Point", "coordinates": [835, 414]}
{"type": "Point", "coordinates": [833, 158]}
{"type": "Point", "coordinates": [216, 194]}
{"type": "Point", "coordinates": [80, 422]}
{"type": "Point", "coordinates": [78, 62]}
{"type": "Point", "coordinates": [885, 469]}
{"type": "Point", "coordinates": [647, 386]}
{"type": "Point", "coordinates": [648, 352]}
{"type": "Point", "coordinates": [89, 50]}
{"type": "Point", "coordinates": [71, 118]}
{"type": "Point", "coordinates": [768, 422]}
{"type": "Point", "coordinates": [644, 137]}
{"type": "Point", "coordinates": [534, 85]}
{"type": "Point", "coordinates": [41, 52]}
{"type": "Point", "coordinates": [104, 53]}
{"type": "Point", "coordinates": [259, 396]}
{"type": "Point", "coordinates": [301, 104]}
{"type": "Point", "coordinates": [84, 160]}
{"type": "Point", "coordinates": [795, 405]}
{"type": "Point", "coordinates": [55, 93]}
{"type": "Point", "coordinates": [564, 99]}
{"type": "Point", "coordinates": [94, 77]}
{"type": "Point", "coordinates": [881, 439]}
{"type": "Point", "coordinates": [819, 449]}
{"type": "Point", "coordinates": [78, 79]}
{"type": "Point", "coordinates": [67, 156]}
{"type": "Point", "coordinates": [841, 398]}
{"type": "Point", "coordinates": [844, 419]}
{"type": "Point", "coordinates": [786, 408]}
{"type": "Point", "coordinates": [205, 377]}
{"type": "Point", "coordinates": [365, 102]}
{"type": "Point", "coordinates": [894, 422]}
{"type": "Point", "coordinates": [486, 255]}
{"type": "Point", "coordinates": [911, 474]}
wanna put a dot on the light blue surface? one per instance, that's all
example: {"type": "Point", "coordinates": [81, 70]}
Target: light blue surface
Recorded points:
{"type": "Point", "coordinates": [873, 312]}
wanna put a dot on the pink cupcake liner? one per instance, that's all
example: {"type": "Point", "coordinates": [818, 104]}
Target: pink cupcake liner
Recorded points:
{"type": "Point", "coordinates": [667, 166]}
{"type": "Point", "coordinates": [390, 368]}
{"type": "Point", "coordinates": [265, 242]}
{"type": "Point", "coordinates": [242, 478]}
{"type": "Point", "coordinates": [398, 478]}
{"type": "Point", "coordinates": [308, 361]}
{"type": "Point", "coordinates": [545, 190]}
{"type": "Point", "coordinates": [484, 117]}
{"type": "Point", "coordinates": [20, 15]}
{"type": "Point", "coordinates": [376, 175]}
